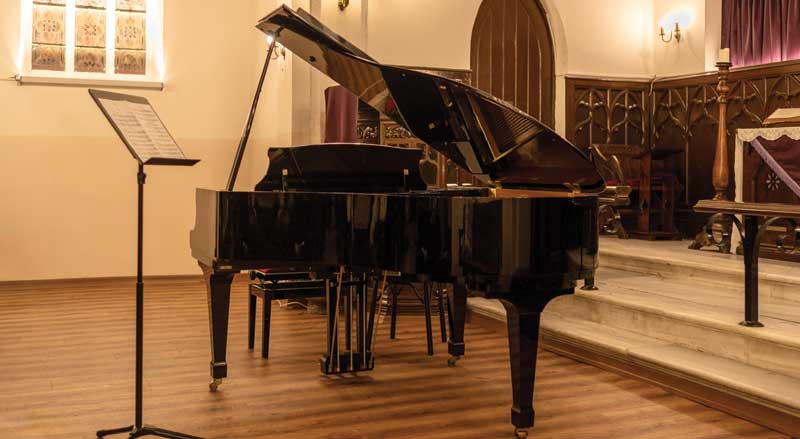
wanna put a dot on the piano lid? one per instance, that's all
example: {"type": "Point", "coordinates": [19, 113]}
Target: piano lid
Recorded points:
{"type": "Point", "coordinates": [490, 138]}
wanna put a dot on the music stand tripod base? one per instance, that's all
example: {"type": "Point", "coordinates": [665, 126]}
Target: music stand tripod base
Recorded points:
{"type": "Point", "coordinates": [146, 430]}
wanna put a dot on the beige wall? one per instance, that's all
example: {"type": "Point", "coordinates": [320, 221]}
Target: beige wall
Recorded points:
{"type": "Point", "coordinates": [69, 185]}
{"type": "Point", "coordinates": [602, 37]}
{"type": "Point", "coordinates": [699, 46]}
{"type": "Point", "coordinates": [69, 200]}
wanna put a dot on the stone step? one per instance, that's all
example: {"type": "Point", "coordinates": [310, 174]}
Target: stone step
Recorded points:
{"type": "Point", "coordinates": [673, 260]}
{"type": "Point", "coordinates": [765, 387]}
{"type": "Point", "coordinates": [703, 327]}
{"type": "Point", "coordinates": [729, 298]}
{"type": "Point", "coordinates": [762, 395]}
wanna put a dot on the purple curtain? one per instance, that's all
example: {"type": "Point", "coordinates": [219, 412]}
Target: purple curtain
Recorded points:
{"type": "Point", "coordinates": [341, 115]}
{"type": "Point", "coordinates": [761, 31]}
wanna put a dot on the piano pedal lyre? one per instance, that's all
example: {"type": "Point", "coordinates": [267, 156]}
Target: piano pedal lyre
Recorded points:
{"type": "Point", "coordinates": [357, 355]}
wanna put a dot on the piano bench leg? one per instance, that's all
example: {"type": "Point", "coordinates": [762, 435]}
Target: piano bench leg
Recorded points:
{"type": "Point", "coordinates": [426, 299]}
{"type": "Point", "coordinates": [440, 292]}
{"type": "Point", "coordinates": [251, 317]}
{"type": "Point", "coordinates": [265, 329]}
{"type": "Point", "coordinates": [395, 292]}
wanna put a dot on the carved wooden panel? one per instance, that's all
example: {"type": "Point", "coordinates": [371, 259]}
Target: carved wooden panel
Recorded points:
{"type": "Point", "coordinates": [512, 56]}
{"type": "Point", "coordinates": [682, 113]}
{"type": "Point", "coordinates": [606, 112]}
{"type": "Point", "coordinates": [684, 117]}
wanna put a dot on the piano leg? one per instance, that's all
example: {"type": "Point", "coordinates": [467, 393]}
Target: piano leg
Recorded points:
{"type": "Point", "coordinates": [218, 286]}
{"type": "Point", "coordinates": [458, 314]}
{"type": "Point", "coordinates": [523, 341]}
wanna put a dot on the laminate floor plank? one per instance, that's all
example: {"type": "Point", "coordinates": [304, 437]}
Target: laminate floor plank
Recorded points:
{"type": "Point", "coordinates": [66, 357]}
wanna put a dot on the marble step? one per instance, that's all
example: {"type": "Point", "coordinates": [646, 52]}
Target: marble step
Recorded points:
{"type": "Point", "coordinates": [762, 395]}
{"type": "Point", "coordinates": [687, 312]}
{"type": "Point", "coordinates": [707, 327]}
{"type": "Point", "coordinates": [763, 387]}
{"type": "Point", "coordinates": [673, 260]}
{"type": "Point", "coordinates": [726, 297]}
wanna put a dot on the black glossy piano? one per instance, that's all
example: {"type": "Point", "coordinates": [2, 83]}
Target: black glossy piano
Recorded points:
{"type": "Point", "coordinates": [527, 237]}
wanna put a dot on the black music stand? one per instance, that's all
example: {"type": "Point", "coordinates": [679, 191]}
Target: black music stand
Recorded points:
{"type": "Point", "coordinates": [145, 136]}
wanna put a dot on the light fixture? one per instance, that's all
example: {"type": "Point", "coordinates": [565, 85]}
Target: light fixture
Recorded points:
{"type": "Point", "coordinates": [674, 24]}
{"type": "Point", "coordinates": [676, 33]}
{"type": "Point", "coordinates": [280, 49]}
{"type": "Point", "coordinates": [343, 4]}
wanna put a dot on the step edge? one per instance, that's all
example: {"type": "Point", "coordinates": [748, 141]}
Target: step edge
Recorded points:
{"type": "Point", "coordinates": [549, 334]}
{"type": "Point", "coordinates": [632, 357]}
{"type": "Point", "coordinates": [751, 333]}
{"type": "Point", "coordinates": [739, 271]}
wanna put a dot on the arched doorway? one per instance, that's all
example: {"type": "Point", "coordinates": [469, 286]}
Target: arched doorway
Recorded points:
{"type": "Point", "coordinates": [512, 56]}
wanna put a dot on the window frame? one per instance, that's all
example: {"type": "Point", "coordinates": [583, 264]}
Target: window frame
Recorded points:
{"type": "Point", "coordinates": [154, 69]}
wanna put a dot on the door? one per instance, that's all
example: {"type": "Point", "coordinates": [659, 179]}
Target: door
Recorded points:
{"type": "Point", "coordinates": [512, 56]}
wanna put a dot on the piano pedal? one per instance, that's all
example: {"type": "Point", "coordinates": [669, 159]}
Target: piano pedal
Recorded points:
{"type": "Point", "coordinates": [451, 362]}
{"type": "Point", "coordinates": [214, 385]}
{"type": "Point", "coordinates": [328, 366]}
{"type": "Point", "coordinates": [521, 433]}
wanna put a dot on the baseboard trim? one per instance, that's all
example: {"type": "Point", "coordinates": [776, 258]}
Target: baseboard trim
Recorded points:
{"type": "Point", "coordinates": [77, 282]}
{"type": "Point", "coordinates": [706, 394]}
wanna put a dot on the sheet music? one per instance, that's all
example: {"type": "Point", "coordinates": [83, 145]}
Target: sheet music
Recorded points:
{"type": "Point", "coordinates": [143, 130]}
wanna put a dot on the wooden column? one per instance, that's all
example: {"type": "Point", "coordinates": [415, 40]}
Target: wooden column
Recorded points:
{"type": "Point", "coordinates": [721, 170]}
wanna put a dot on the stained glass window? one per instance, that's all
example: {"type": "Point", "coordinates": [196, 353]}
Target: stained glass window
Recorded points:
{"type": "Point", "coordinates": [89, 36]}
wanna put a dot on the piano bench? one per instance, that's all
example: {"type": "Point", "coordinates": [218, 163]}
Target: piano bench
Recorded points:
{"type": "Point", "coordinates": [276, 287]}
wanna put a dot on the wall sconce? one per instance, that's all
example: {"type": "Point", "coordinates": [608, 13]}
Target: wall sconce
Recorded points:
{"type": "Point", "coordinates": [673, 33]}
{"type": "Point", "coordinates": [280, 49]}
{"type": "Point", "coordinates": [343, 4]}
{"type": "Point", "coordinates": [678, 21]}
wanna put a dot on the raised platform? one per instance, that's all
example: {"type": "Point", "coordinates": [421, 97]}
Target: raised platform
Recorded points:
{"type": "Point", "coordinates": [670, 315]}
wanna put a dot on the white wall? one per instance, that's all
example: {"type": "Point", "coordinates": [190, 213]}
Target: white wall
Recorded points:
{"type": "Point", "coordinates": [68, 184]}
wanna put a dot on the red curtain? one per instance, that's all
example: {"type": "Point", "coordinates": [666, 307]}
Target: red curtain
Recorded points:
{"type": "Point", "coordinates": [761, 31]}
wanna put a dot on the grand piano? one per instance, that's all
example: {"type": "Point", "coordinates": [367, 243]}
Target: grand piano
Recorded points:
{"type": "Point", "coordinates": [525, 238]}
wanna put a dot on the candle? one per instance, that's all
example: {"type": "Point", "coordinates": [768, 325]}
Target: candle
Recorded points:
{"type": "Point", "coordinates": [724, 55]}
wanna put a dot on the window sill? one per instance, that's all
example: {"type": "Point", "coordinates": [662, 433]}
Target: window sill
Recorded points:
{"type": "Point", "coordinates": [86, 82]}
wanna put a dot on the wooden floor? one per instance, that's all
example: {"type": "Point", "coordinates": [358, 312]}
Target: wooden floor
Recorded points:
{"type": "Point", "coordinates": [66, 359]}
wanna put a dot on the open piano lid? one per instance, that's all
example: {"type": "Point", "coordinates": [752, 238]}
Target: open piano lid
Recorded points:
{"type": "Point", "coordinates": [490, 138]}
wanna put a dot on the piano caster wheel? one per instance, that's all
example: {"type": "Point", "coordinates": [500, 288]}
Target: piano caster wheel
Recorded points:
{"type": "Point", "coordinates": [520, 433]}
{"type": "Point", "coordinates": [215, 385]}
{"type": "Point", "coordinates": [452, 361]}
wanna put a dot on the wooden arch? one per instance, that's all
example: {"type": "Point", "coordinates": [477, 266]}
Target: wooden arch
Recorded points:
{"type": "Point", "coordinates": [512, 56]}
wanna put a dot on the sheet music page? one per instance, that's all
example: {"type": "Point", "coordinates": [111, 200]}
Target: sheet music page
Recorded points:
{"type": "Point", "coordinates": [143, 130]}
